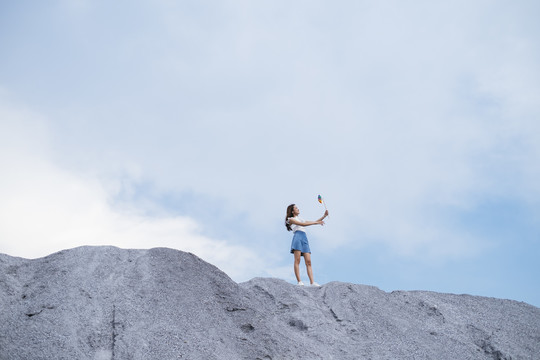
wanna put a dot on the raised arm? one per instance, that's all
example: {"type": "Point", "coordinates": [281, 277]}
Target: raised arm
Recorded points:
{"type": "Point", "coordinates": [309, 223]}
{"type": "Point", "coordinates": [305, 223]}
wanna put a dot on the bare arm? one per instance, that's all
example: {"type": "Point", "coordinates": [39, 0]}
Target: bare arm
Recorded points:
{"type": "Point", "coordinates": [308, 223]}
{"type": "Point", "coordinates": [304, 223]}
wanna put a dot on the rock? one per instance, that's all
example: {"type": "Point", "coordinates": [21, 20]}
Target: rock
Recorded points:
{"type": "Point", "coordinates": [107, 303]}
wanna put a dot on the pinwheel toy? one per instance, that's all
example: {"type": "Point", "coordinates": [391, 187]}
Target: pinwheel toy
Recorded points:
{"type": "Point", "coordinates": [321, 200]}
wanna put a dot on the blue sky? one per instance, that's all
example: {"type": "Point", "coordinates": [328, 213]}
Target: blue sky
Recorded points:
{"type": "Point", "coordinates": [193, 125]}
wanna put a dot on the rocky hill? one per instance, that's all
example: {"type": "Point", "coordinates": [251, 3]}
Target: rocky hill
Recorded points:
{"type": "Point", "coordinates": [107, 303]}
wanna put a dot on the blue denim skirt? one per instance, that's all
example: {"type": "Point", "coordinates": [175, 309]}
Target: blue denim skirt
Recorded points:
{"type": "Point", "coordinates": [300, 242]}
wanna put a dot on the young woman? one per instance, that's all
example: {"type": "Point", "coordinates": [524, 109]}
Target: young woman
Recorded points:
{"type": "Point", "coordinates": [300, 244]}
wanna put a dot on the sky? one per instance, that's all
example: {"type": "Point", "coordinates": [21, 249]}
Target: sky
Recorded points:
{"type": "Point", "coordinates": [194, 124]}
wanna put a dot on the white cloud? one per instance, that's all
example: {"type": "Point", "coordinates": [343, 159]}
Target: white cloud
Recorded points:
{"type": "Point", "coordinates": [45, 208]}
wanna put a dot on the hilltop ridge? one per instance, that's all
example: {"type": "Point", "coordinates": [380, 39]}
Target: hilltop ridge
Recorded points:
{"type": "Point", "coordinates": [110, 303]}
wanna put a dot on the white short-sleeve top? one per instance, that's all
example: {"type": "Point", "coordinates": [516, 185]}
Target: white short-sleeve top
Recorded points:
{"type": "Point", "coordinates": [295, 227]}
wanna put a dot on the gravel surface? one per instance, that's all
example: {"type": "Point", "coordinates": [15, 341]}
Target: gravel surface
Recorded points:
{"type": "Point", "coordinates": [104, 303]}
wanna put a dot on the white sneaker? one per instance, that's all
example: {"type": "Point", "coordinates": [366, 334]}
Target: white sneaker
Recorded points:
{"type": "Point", "coordinates": [315, 284]}
{"type": "Point", "coordinates": [300, 283]}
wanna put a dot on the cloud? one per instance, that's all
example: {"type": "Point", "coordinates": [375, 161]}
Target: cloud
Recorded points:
{"type": "Point", "coordinates": [45, 208]}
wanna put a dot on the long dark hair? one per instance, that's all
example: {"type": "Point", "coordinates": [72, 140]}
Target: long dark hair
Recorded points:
{"type": "Point", "coordinates": [289, 215]}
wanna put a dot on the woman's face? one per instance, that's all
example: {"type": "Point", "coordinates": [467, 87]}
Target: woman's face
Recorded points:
{"type": "Point", "coordinates": [295, 210]}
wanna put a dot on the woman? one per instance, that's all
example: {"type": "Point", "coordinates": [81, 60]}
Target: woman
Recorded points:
{"type": "Point", "coordinates": [300, 244]}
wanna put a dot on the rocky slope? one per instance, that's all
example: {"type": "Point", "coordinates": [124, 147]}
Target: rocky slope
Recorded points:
{"type": "Point", "coordinates": [107, 303]}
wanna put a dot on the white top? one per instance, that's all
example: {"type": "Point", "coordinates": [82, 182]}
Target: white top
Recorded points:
{"type": "Point", "coordinates": [295, 227]}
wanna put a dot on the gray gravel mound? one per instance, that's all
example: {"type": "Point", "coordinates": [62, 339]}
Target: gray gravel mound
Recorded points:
{"type": "Point", "coordinates": [107, 303]}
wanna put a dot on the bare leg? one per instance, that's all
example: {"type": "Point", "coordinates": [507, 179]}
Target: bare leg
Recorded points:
{"type": "Point", "coordinates": [297, 256]}
{"type": "Point", "coordinates": [307, 260]}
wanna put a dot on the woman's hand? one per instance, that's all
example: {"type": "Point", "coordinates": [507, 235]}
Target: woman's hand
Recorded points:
{"type": "Point", "coordinates": [320, 221]}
